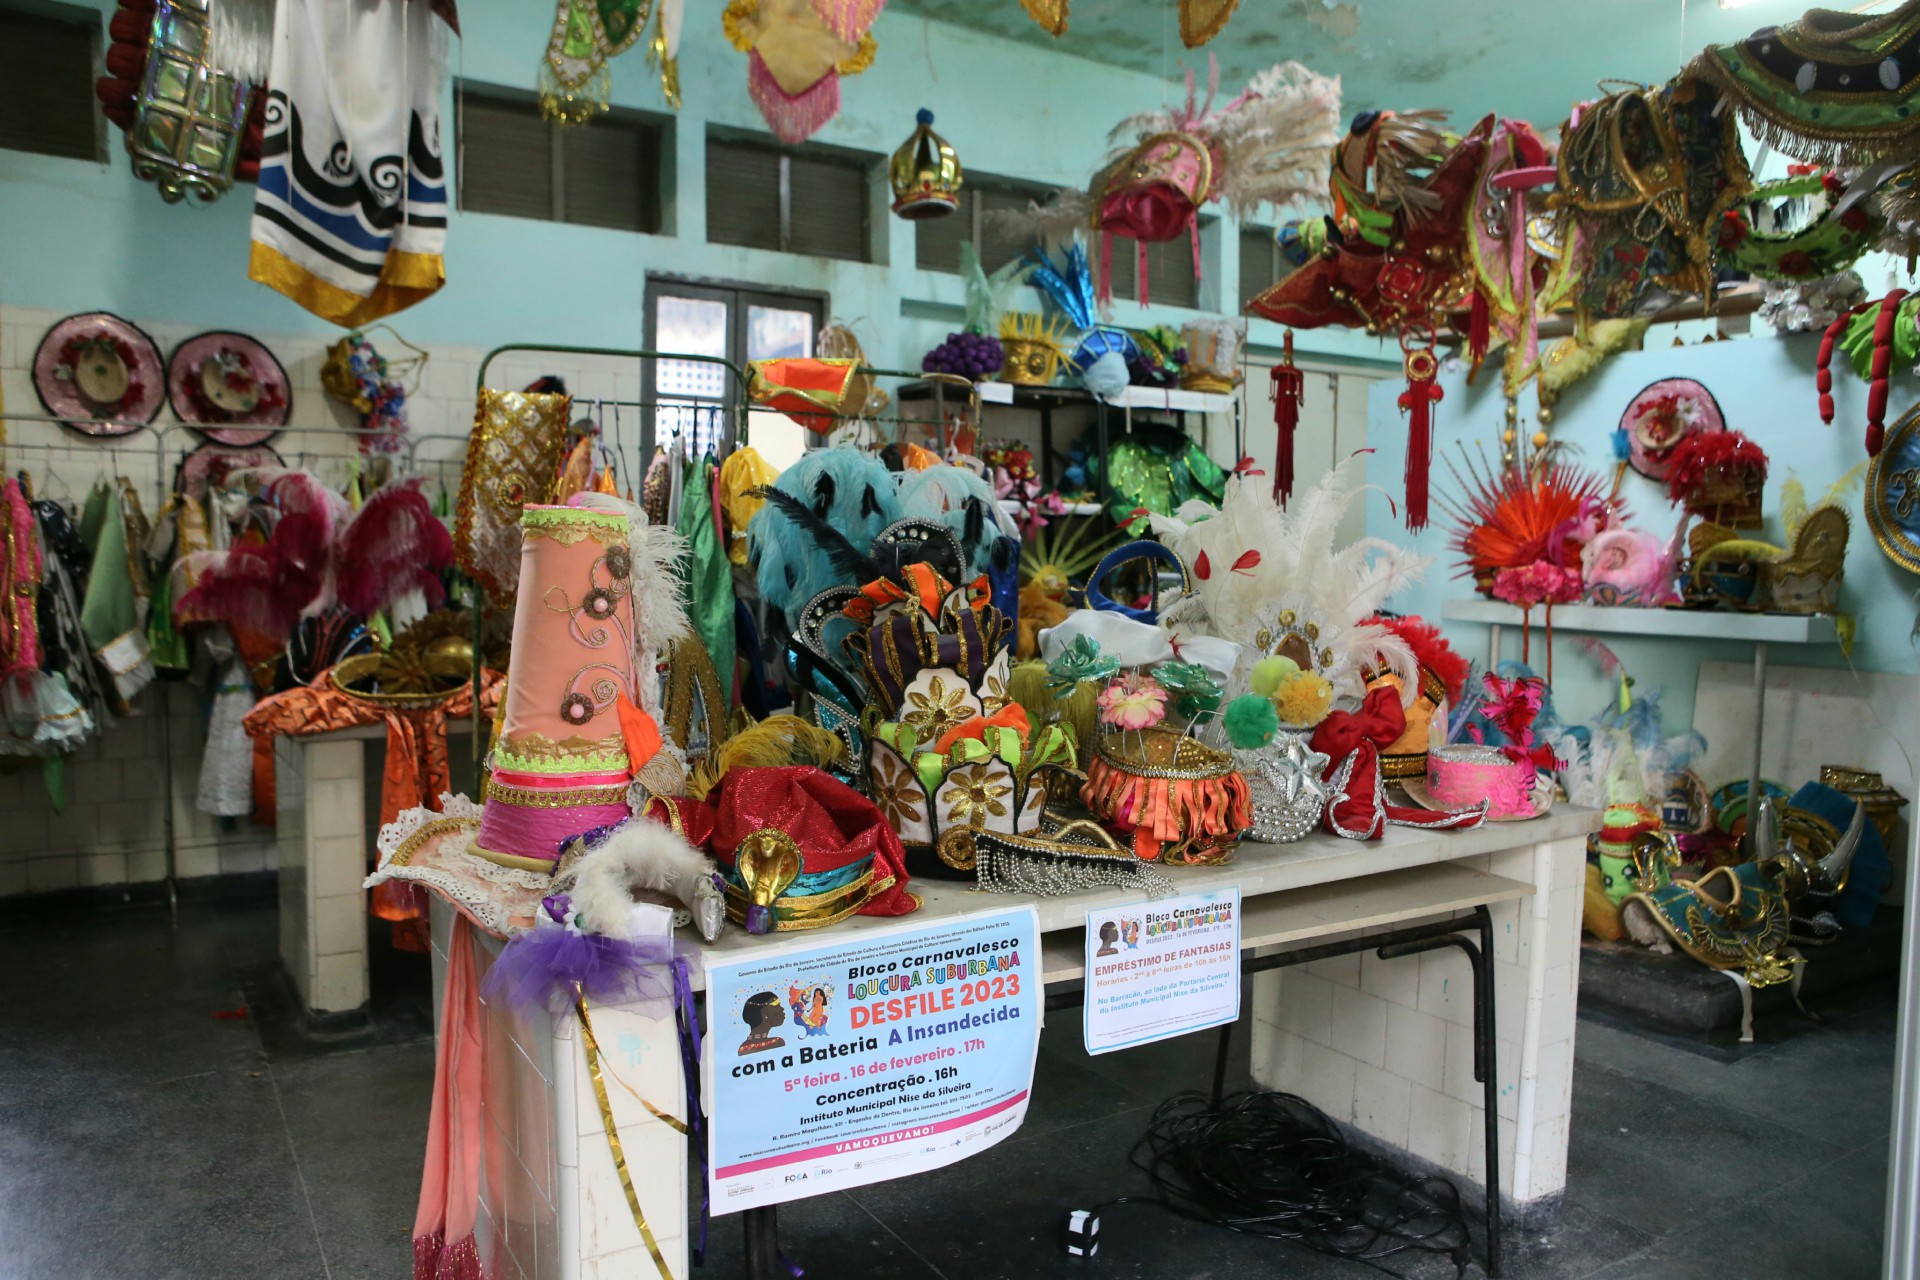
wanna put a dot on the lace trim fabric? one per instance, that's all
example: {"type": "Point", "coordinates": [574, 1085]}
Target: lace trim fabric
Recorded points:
{"type": "Point", "coordinates": [486, 893]}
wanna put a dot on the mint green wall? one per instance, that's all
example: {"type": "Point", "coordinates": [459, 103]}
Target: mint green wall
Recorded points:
{"type": "Point", "coordinates": [80, 236]}
{"type": "Point", "coordinates": [1765, 386]}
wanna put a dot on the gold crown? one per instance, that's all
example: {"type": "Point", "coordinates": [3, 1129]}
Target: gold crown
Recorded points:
{"type": "Point", "coordinates": [925, 173]}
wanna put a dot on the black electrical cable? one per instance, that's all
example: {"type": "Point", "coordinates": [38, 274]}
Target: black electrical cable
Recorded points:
{"type": "Point", "coordinates": [1272, 1164]}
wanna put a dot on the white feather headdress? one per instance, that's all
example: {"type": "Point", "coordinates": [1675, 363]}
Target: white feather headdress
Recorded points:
{"type": "Point", "coordinates": [1262, 573]}
{"type": "Point", "coordinates": [1271, 144]}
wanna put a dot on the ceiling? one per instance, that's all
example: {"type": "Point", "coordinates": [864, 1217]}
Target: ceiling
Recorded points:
{"type": "Point", "coordinates": [1529, 59]}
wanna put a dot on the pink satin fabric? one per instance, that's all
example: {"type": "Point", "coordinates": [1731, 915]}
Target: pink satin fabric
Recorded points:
{"type": "Point", "coordinates": [444, 1247]}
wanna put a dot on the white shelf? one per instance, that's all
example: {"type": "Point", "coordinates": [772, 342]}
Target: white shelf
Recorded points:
{"type": "Point", "coordinates": [1679, 624]}
{"type": "Point", "coordinates": [1013, 507]}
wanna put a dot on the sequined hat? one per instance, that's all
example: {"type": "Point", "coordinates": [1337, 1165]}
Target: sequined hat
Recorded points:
{"type": "Point", "coordinates": [577, 746]}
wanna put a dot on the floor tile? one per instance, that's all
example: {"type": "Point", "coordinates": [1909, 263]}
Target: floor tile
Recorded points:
{"type": "Point", "coordinates": [829, 1236]}
{"type": "Point", "coordinates": [358, 1123]}
{"type": "Point", "coordinates": [193, 1178]}
{"type": "Point", "coordinates": [1659, 1158]}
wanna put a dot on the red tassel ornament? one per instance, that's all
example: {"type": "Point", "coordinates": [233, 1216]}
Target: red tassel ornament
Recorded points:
{"type": "Point", "coordinates": [1417, 401]}
{"type": "Point", "coordinates": [1823, 363]}
{"type": "Point", "coordinates": [1288, 392]}
{"type": "Point", "coordinates": [1882, 366]}
{"type": "Point", "coordinates": [1479, 330]}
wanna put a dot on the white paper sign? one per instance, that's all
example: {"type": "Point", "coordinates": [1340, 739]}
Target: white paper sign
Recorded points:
{"type": "Point", "coordinates": [868, 1055]}
{"type": "Point", "coordinates": [1161, 969]}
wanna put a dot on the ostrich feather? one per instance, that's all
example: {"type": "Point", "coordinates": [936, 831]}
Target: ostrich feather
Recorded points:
{"type": "Point", "coordinates": [1050, 226]}
{"type": "Point", "coordinates": [775, 741]}
{"type": "Point", "coordinates": [1302, 569]}
{"type": "Point", "coordinates": [268, 587]}
{"type": "Point", "coordinates": [639, 854]}
{"type": "Point", "coordinates": [851, 491]}
{"type": "Point", "coordinates": [964, 502]}
{"type": "Point", "coordinates": [1275, 144]}
{"type": "Point", "coordinates": [394, 545]}
{"type": "Point", "coordinates": [849, 563]}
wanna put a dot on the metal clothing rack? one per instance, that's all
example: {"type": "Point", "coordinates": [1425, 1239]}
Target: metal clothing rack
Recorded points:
{"type": "Point", "coordinates": [80, 446]}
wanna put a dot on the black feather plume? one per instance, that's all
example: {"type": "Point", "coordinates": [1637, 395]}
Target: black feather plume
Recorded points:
{"type": "Point", "coordinates": [853, 565]}
{"type": "Point", "coordinates": [975, 525]}
{"type": "Point", "coordinates": [823, 491]}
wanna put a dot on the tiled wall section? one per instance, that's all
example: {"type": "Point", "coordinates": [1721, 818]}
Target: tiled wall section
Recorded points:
{"type": "Point", "coordinates": [1387, 1045]}
{"type": "Point", "coordinates": [551, 1203]}
{"type": "Point", "coordinates": [114, 830]}
{"type": "Point", "coordinates": [119, 786]}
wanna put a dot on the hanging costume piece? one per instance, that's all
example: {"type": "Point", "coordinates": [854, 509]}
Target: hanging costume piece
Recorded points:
{"type": "Point", "coordinates": [513, 458]}
{"type": "Point", "coordinates": [1264, 147]}
{"type": "Point", "coordinates": [575, 85]}
{"type": "Point", "coordinates": [351, 215]}
{"type": "Point", "coordinates": [98, 366]}
{"type": "Point", "coordinates": [114, 615]}
{"type": "Point", "coordinates": [189, 119]}
{"type": "Point", "coordinates": [1834, 89]}
{"type": "Point", "coordinates": [1200, 20]}
{"type": "Point", "coordinates": [1644, 176]}
{"type": "Point", "coordinates": [1395, 260]}
{"type": "Point", "coordinates": [925, 174]}
{"type": "Point", "coordinates": [229, 387]}
{"type": "Point", "coordinates": [797, 50]}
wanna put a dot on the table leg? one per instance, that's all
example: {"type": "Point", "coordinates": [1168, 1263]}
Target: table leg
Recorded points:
{"type": "Point", "coordinates": [1759, 722]}
{"type": "Point", "coordinates": [762, 1227]}
{"type": "Point", "coordinates": [1220, 1063]}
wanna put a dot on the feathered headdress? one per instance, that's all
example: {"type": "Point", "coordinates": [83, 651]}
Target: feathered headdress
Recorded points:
{"type": "Point", "coordinates": [1270, 143]}
{"type": "Point", "coordinates": [1281, 579]}
{"type": "Point", "coordinates": [964, 502]}
{"type": "Point", "coordinates": [1537, 513]}
{"type": "Point", "coordinates": [394, 546]}
{"type": "Point", "coordinates": [268, 587]}
{"type": "Point", "coordinates": [1432, 651]}
{"type": "Point", "coordinates": [844, 489]}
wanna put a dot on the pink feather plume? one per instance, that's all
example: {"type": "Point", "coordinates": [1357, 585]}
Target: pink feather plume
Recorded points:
{"type": "Point", "coordinates": [394, 546]}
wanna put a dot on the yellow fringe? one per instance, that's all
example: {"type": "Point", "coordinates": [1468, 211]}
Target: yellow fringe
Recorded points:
{"type": "Point", "coordinates": [775, 741]}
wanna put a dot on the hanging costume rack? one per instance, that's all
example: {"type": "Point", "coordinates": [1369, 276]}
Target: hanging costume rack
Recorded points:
{"type": "Point", "coordinates": [103, 453]}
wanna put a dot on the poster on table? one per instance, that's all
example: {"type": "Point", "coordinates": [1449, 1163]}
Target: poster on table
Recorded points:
{"type": "Point", "coordinates": [842, 1061]}
{"type": "Point", "coordinates": [1161, 969]}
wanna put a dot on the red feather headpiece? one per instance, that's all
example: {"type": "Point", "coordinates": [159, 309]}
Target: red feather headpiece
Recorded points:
{"type": "Point", "coordinates": [1432, 651]}
{"type": "Point", "coordinates": [1703, 452]}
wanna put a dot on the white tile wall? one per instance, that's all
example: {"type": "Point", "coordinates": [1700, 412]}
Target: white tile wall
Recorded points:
{"type": "Point", "coordinates": [1387, 1045]}
{"type": "Point", "coordinates": [114, 829]}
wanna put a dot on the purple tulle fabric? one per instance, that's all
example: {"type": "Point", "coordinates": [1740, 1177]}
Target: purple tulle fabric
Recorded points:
{"type": "Point", "coordinates": [547, 969]}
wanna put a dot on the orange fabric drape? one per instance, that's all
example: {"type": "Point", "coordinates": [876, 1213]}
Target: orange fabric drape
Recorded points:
{"type": "Point", "coordinates": [415, 774]}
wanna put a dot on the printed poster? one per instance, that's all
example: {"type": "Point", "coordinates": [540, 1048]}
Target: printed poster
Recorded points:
{"type": "Point", "coordinates": [838, 1062]}
{"type": "Point", "coordinates": [1161, 969]}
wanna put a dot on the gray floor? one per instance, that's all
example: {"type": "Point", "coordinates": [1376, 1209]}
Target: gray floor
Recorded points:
{"type": "Point", "coordinates": [141, 1136]}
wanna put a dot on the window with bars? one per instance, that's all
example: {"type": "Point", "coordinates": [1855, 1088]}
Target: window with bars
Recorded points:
{"type": "Point", "coordinates": [695, 399]}
{"type": "Point", "coordinates": [1260, 264]}
{"type": "Point", "coordinates": [514, 163]}
{"type": "Point", "coordinates": [47, 69]}
{"type": "Point", "coordinates": [815, 201]}
{"type": "Point", "coordinates": [937, 241]}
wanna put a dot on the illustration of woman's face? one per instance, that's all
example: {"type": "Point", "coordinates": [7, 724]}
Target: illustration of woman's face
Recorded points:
{"type": "Point", "coordinates": [1108, 933]}
{"type": "Point", "coordinates": [819, 1000]}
